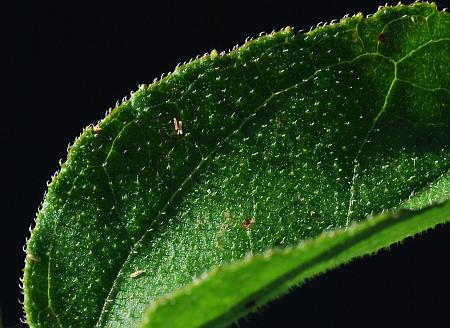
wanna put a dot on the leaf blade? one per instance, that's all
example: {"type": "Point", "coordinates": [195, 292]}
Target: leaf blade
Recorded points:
{"type": "Point", "coordinates": [136, 195]}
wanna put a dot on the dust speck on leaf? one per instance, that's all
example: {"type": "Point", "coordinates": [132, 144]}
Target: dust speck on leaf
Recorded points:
{"type": "Point", "coordinates": [97, 129]}
{"type": "Point", "coordinates": [248, 222]}
{"type": "Point", "coordinates": [137, 273]}
{"type": "Point", "coordinates": [178, 125]}
{"type": "Point", "coordinates": [33, 258]}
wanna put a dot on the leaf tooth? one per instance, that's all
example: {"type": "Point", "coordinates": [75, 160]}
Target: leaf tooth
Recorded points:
{"type": "Point", "coordinates": [214, 54]}
{"type": "Point", "coordinates": [23, 320]}
{"type": "Point", "coordinates": [69, 145]}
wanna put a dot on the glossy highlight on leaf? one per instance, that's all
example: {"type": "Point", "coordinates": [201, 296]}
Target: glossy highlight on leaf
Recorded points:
{"type": "Point", "coordinates": [275, 143]}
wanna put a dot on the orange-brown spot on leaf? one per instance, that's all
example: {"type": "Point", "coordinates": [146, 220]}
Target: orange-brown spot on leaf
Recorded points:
{"type": "Point", "coordinates": [248, 222]}
{"type": "Point", "coordinates": [97, 129]}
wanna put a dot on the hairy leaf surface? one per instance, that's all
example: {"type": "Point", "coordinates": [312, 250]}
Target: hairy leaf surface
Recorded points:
{"type": "Point", "coordinates": [267, 146]}
{"type": "Point", "coordinates": [213, 301]}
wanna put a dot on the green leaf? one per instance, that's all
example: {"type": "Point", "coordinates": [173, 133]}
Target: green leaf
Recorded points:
{"type": "Point", "coordinates": [213, 301]}
{"type": "Point", "coordinates": [265, 147]}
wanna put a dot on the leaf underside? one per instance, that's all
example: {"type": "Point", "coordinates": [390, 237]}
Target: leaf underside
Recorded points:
{"type": "Point", "coordinates": [262, 148]}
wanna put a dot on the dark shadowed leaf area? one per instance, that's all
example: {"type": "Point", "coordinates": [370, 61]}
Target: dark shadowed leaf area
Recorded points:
{"type": "Point", "coordinates": [240, 175]}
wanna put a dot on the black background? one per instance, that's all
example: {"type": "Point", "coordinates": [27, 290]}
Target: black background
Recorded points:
{"type": "Point", "coordinates": [63, 66]}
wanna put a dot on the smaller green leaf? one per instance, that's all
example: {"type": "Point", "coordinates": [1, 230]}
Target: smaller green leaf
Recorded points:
{"type": "Point", "coordinates": [229, 292]}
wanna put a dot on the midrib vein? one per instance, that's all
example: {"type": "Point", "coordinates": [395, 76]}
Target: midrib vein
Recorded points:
{"type": "Point", "coordinates": [361, 147]}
